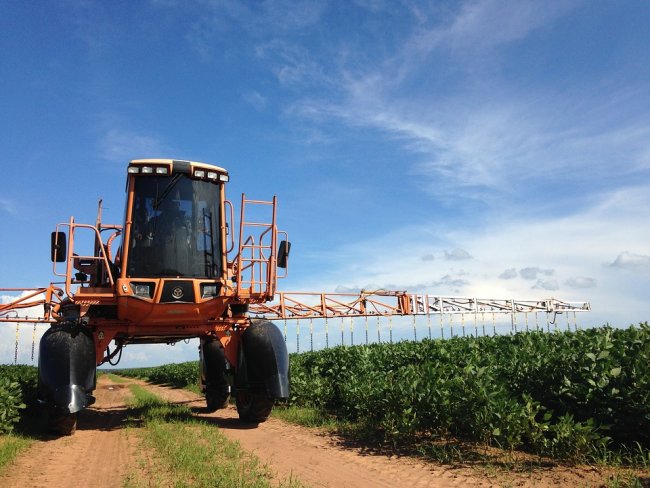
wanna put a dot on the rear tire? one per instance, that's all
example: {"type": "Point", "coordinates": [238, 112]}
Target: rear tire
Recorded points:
{"type": "Point", "coordinates": [62, 423]}
{"type": "Point", "coordinates": [216, 398]}
{"type": "Point", "coordinates": [254, 407]}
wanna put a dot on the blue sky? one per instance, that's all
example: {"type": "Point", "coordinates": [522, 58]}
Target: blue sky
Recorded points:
{"type": "Point", "coordinates": [482, 148]}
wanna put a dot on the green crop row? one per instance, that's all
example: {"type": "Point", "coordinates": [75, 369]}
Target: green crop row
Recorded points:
{"type": "Point", "coordinates": [561, 394]}
{"type": "Point", "coordinates": [565, 395]}
{"type": "Point", "coordinates": [17, 389]}
{"type": "Point", "coordinates": [178, 374]}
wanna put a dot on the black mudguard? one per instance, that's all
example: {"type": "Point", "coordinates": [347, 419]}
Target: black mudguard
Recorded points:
{"type": "Point", "coordinates": [263, 360]}
{"type": "Point", "coordinates": [66, 368]}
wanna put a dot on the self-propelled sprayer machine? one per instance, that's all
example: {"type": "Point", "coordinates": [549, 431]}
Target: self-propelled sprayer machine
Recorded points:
{"type": "Point", "coordinates": [177, 268]}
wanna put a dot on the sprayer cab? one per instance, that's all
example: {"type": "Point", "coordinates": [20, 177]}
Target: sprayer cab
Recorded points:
{"type": "Point", "coordinates": [174, 247]}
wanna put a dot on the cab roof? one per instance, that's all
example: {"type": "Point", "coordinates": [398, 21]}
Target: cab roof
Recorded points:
{"type": "Point", "coordinates": [179, 162]}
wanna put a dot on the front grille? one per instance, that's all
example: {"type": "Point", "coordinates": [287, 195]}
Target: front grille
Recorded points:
{"type": "Point", "coordinates": [177, 292]}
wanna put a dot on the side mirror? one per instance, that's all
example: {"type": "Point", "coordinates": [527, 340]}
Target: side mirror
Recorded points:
{"type": "Point", "coordinates": [58, 248]}
{"type": "Point", "coordinates": [283, 254]}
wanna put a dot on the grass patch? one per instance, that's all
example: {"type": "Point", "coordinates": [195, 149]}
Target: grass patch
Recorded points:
{"type": "Point", "coordinates": [10, 446]}
{"type": "Point", "coordinates": [305, 416]}
{"type": "Point", "coordinates": [115, 378]}
{"type": "Point", "coordinates": [194, 388]}
{"type": "Point", "coordinates": [195, 452]}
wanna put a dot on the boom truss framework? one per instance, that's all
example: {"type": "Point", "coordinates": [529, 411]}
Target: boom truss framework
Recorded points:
{"type": "Point", "coordinates": [49, 298]}
{"type": "Point", "coordinates": [306, 305]}
{"type": "Point", "coordinates": [301, 305]}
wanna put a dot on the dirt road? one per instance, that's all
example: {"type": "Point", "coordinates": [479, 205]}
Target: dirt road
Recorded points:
{"type": "Point", "coordinates": [98, 454]}
{"type": "Point", "coordinates": [103, 453]}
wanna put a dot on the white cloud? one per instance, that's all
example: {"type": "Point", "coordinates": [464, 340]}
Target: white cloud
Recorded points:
{"type": "Point", "coordinates": [570, 249]}
{"type": "Point", "coordinates": [533, 273]}
{"type": "Point", "coordinates": [636, 262]}
{"type": "Point", "coordinates": [551, 285]}
{"type": "Point", "coordinates": [457, 255]}
{"type": "Point", "coordinates": [580, 282]}
{"type": "Point", "coordinates": [508, 274]}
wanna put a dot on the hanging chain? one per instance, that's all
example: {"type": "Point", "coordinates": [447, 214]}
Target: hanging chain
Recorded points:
{"type": "Point", "coordinates": [415, 332]}
{"type": "Point", "coordinates": [366, 323]}
{"type": "Point", "coordinates": [327, 333]}
{"type": "Point", "coordinates": [378, 330]}
{"type": "Point", "coordinates": [17, 338]}
{"type": "Point", "coordinates": [526, 315]}
{"type": "Point", "coordinates": [33, 341]}
{"type": "Point", "coordinates": [297, 335]}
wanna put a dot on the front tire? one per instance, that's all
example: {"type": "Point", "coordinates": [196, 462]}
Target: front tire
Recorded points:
{"type": "Point", "coordinates": [253, 407]}
{"type": "Point", "coordinates": [62, 423]}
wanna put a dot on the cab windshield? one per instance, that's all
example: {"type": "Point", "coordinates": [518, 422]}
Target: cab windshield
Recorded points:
{"type": "Point", "coordinates": [175, 230]}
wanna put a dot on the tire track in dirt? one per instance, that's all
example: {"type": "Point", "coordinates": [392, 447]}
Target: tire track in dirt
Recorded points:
{"type": "Point", "coordinates": [100, 453]}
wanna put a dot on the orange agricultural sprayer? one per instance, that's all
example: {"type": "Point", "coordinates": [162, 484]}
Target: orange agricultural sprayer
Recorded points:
{"type": "Point", "coordinates": [176, 268]}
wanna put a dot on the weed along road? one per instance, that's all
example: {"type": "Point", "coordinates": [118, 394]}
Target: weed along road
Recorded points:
{"type": "Point", "coordinates": [138, 434]}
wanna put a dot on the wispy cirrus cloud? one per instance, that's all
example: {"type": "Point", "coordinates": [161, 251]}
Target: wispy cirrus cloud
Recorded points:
{"type": "Point", "coordinates": [257, 100]}
{"type": "Point", "coordinates": [259, 21]}
{"type": "Point", "coordinates": [7, 205]}
{"type": "Point", "coordinates": [119, 145]}
{"type": "Point", "coordinates": [472, 128]}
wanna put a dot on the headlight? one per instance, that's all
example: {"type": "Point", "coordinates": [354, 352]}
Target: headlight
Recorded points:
{"type": "Point", "coordinates": [142, 290]}
{"type": "Point", "coordinates": [209, 290]}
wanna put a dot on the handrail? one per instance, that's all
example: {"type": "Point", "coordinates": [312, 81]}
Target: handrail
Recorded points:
{"type": "Point", "coordinates": [71, 257]}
